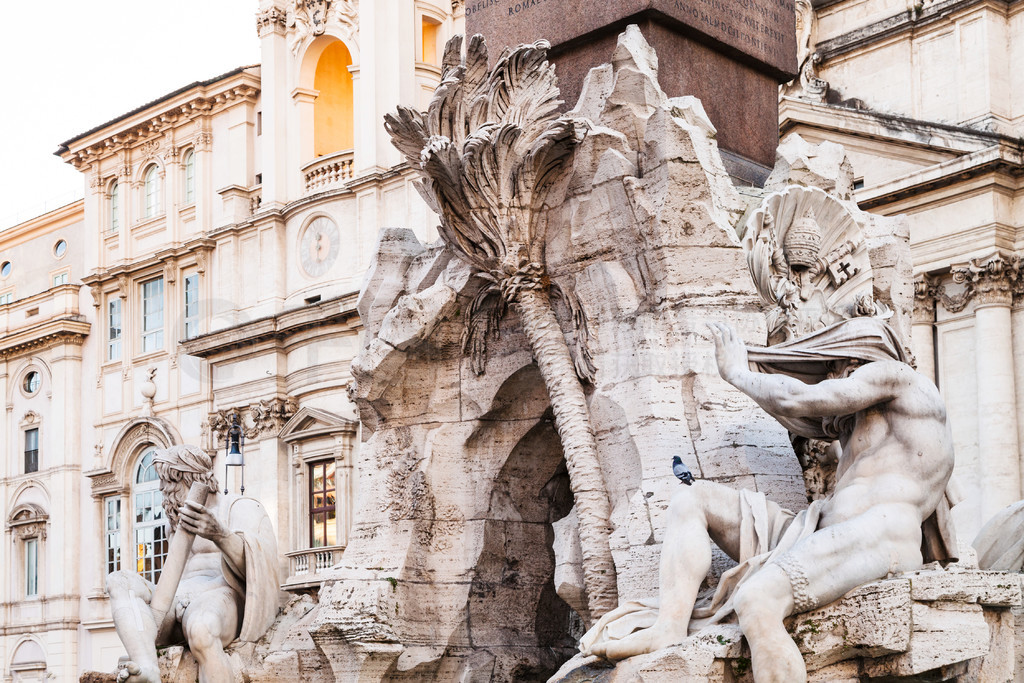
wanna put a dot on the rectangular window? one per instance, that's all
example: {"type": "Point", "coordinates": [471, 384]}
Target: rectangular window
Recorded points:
{"type": "Point", "coordinates": [6, 298]}
{"type": "Point", "coordinates": [153, 315]}
{"type": "Point", "coordinates": [114, 329]}
{"type": "Point", "coordinates": [190, 177]}
{"type": "Point", "coordinates": [60, 279]}
{"type": "Point", "coordinates": [115, 208]}
{"type": "Point", "coordinates": [191, 306]}
{"type": "Point", "coordinates": [323, 528]}
{"type": "Point", "coordinates": [31, 450]}
{"type": "Point", "coordinates": [32, 567]}
{"type": "Point", "coordinates": [112, 531]}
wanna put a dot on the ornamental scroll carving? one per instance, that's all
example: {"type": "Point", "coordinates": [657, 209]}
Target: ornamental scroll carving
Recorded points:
{"type": "Point", "coordinates": [996, 279]}
{"type": "Point", "coordinates": [312, 17]}
{"type": "Point", "coordinates": [270, 19]}
{"type": "Point", "coordinates": [267, 416]}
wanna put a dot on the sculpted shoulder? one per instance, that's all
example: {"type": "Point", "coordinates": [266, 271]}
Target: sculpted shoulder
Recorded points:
{"type": "Point", "coordinates": [911, 391]}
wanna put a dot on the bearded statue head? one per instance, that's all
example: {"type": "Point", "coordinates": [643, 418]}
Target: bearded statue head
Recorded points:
{"type": "Point", "coordinates": [179, 467]}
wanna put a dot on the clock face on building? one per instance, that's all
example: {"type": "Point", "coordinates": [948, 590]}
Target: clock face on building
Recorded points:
{"type": "Point", "coordinates": [319, 246]}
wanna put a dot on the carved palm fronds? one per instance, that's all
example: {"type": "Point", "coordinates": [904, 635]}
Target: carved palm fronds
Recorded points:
{"type": "Point", "coordinates": [492, 152]}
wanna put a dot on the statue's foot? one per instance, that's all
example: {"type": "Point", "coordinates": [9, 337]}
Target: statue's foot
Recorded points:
{"type": "Point", "coordinates": [640, 642]}
{"type": "Point", "coordinates": [131, 672]}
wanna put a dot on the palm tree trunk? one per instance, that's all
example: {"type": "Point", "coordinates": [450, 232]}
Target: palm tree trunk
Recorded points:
{"type": "Point", "coordinates": [572, 420]}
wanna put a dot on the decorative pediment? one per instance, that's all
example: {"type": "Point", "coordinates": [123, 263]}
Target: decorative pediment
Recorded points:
{"type": "Point", "coordinates": [28, 520]}
{"type": "Point", "coordinates": [310, 422]}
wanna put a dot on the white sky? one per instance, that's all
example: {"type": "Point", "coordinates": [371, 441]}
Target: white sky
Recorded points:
{"type": "Point", "coordinates": [69, 65]}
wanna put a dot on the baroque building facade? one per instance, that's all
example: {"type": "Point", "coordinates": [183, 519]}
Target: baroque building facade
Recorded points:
{"type": "Point", "coordinates": [217, 255]}
{"type": "Point", "coordinates": [929, 105]}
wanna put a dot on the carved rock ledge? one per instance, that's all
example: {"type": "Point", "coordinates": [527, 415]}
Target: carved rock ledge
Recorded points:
{"type": "Point", "coordinates": [933, 624]}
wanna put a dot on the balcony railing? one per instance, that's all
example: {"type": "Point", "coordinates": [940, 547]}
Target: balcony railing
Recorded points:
{"type": "Point", "coordinates": [307, 567]}
{"type": "Point", "coordinates": [326, 172]}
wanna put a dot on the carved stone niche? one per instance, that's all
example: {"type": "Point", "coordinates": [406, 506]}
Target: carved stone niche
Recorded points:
{"type": "Point", "coordinates": [28, 521]}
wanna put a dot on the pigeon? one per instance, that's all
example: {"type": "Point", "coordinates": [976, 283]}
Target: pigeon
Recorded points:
{"type": "Point", "coordinates": [681, 471]}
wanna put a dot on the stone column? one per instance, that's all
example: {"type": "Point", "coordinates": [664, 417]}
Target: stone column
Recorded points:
{"type": "Point", "coordinates": [923, 329]}
{"type": "Point", "coordinates": [998, 448]}
{"type": "Point", "coordinates": [1017, 324]}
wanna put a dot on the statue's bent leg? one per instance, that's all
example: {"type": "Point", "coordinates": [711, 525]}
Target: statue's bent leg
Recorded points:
{"type": "Point", "coordinates": [211, 622]}
{"type": "Point", "coordinates": [129, 601]}
{"type": "Point", "coordinates": [696, 515]}
{"type": "Point", "coordinates": [819, 569]}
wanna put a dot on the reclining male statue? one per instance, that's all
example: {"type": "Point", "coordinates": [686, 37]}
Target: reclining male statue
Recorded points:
{"type": "Point", "coordinates": [888, 513]}
{"type": "Point", "coordinates": [228, 589]}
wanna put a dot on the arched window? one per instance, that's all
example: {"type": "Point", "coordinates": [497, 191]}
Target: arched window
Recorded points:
{"type": "Point", "coordinates": [115, 208]}
{"type": "Point", "coordinates": [151, 188]}
{"type": "Point", "coordinates": [332, 129]}
{"type": "Point", "coordinates": [190, 177]}
{"type": "Point", "coordinates": [149, 525]}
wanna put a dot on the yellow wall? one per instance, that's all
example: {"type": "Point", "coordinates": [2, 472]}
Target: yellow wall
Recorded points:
{"type": "Point", "coordinates": [332, 126]}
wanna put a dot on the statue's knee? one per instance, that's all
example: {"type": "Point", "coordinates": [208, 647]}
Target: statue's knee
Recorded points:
{"type": "Point", "coordinates": [202, 632]}
{"type": "Point", "coordinates": [763, 596]}
{"type": "Point", "coordinates": [118, 582]}
{"type": "Point", "coordinates": [686, 502]}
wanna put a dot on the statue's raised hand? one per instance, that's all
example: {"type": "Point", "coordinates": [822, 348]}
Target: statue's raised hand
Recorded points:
{"type": "Point", "coordinates": [196, 519]}
{"type": "Point", "coordinates": [730, 352]}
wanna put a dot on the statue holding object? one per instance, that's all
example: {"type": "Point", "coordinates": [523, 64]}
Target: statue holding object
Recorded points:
{"type": "Point", "coordinates": [219, 580]}
{"type": "Point", "coordinates": [842, 376]}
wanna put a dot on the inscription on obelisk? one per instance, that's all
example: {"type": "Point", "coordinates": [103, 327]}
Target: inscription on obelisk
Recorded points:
{"type": "Point", "coordinates": [730, 53]}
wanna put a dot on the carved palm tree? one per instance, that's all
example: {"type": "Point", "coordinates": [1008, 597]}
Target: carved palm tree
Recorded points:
{"type": "Point", "coordinates": [491, 151]}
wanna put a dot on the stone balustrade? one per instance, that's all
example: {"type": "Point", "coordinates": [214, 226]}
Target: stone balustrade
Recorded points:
{"type": "Point", "coordinates": [328, 172]}
{"type": "Point", "coordinates": [306, 567]}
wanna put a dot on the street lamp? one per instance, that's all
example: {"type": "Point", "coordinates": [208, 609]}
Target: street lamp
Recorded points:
{"type": "Point", "coordinates": [234, 442]}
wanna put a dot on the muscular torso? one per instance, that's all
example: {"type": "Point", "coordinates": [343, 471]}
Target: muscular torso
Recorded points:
{"type": "Point", "coordinates": [204, 568]}
{"type": "Point", "coordinates": [899, 452]}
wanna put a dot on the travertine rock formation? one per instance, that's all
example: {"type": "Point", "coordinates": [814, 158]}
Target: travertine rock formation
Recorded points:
{"type": "Point", "coordinates": [463, 559]}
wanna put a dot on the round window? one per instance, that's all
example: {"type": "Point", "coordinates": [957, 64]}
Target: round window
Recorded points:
{"type": "Point", "coordinates": [32, 382]}
{"type": "Point", "coordinates": [60, 248]}
{"type": "Point", "coordinates": [6, 268]}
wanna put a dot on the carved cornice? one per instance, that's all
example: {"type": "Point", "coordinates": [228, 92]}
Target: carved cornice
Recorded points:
{"type": "Point", "coordinates": [271, 20]}
{"type": "Point", "coordinates": [141, 136]}
{"type": "Point", "coordinates": [122, 273]}
{"type": "Point", "coordinates": [266, 417]}
{"type": "Point", "coordinates": [71, 330]}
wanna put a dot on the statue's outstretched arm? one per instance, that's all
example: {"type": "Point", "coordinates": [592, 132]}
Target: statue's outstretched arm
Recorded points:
{"type": "Point", "coordinates": [783, 396]}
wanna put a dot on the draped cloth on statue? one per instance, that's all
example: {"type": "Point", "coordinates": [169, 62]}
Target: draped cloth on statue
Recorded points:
{"type": "Point", "coordinates": [260, 585]}
{"type": "Point", "coordinates": [1000, 544]}
{"type": "Point", "coordinates": [767, 531]}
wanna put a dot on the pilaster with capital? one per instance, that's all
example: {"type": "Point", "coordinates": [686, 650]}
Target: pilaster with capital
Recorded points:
{"type": "Point", "coordinates": [990, 282]}
{"type": "Point", "coordinates": [923, 327]}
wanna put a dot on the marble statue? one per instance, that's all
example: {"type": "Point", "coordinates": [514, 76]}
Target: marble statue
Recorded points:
{"type": "Point", "coordinates": [228, 588]}
{"type": "Point", "coordinates": [835, 372]}
{"type": "Point", "coordinates": [886, 514]}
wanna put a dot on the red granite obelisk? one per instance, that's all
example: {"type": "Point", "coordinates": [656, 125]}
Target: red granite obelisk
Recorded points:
{"type": "Point", "coordinates": [732, 54]}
